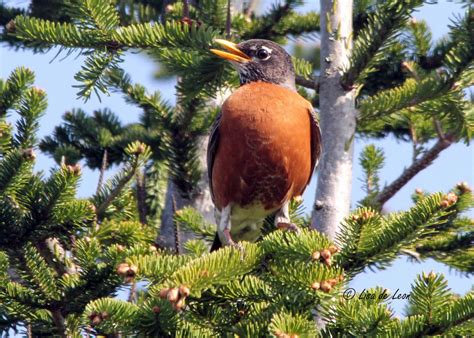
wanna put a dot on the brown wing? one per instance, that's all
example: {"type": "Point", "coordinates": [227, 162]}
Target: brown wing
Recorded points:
{"type": "Point", "coordinates": [214, 137]}
{"type": "Point", "coordinates": [316, 146]}
{"type": "Point", "coordinates": [212, 149]}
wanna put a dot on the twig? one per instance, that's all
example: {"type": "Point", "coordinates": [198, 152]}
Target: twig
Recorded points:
{"type": "Point", "coordinates": [163, 11]}
{"type": "Point", "coordinates": [414, 140]}
{"type": "Point", "coordinates": [369, 184]}
{"type": "Point", "coordinates": [54, 245]}
{"type": "Point", "coordinates": [132, 297]}
{"type": "Point", "coordinates": [185, 9]}
{"type": "Point", "coordinates": [101, 208]}
{"type": "Point", "coordinates": [250, 8]}
{"type": "Point", "coordinates": [310, 84]}
{"type": "Point", "coordinates": [269, 21]}
{"type": "Point", "coordinates": [103, 168]}
{"type": "Point", "coordinates": [228, 22]}
{"type": "Point", "coordinates": [432, 330]}
{"type": "Point", "coordinates": [141, 197]}
{"type": "Point", "coordinates": [47, 248]}
{"type": "Point", "coordinates": [410, 172]}
{"type": "Point", "coordinates": [438, 129]}
{"type": "Point", "coordinates": [58, 320]}
{"type": "Point", "coordinates": [412, 254]}
{"type": "Point", "coordinates": [177, 239]}
{"type": "Point", "coordinates": [13, 275]}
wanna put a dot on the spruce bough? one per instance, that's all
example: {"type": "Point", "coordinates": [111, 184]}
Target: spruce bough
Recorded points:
{"type": "Point", "coordinates": [63, 259]}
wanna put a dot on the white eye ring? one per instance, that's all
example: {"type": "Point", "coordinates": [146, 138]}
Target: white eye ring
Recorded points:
{"type": "Point", "coordinates": [263, 54]}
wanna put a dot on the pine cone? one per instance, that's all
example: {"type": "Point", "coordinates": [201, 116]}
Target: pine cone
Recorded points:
{"type": "Point", "coordinates": [164, 293]}
{"type": "Point", "coordinates": [173, 295]}
{"type": "Point", "coordinates": [325, 254]}
{"type": "Point", "coordinates": [184, 291]}
{"type": "Point", "coordinates": [315, 255]}
{"type": "Point", "coordinates": [325, 286]}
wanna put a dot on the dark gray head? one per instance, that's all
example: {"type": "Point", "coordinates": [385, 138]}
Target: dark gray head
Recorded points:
{"type": "Point", "coordinates": [259, 60]}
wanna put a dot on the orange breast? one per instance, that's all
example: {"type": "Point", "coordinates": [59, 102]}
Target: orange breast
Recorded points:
{"type": "Point", "coordinates": [264, 150]}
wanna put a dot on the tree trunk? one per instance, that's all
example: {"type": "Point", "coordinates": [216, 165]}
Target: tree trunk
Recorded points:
{"type": "Point", "coordinates": [338, 119]}
{"type": "Point", "coordinates": [170, 236]}
{"type": "Point", "coordinates": [173, 238]}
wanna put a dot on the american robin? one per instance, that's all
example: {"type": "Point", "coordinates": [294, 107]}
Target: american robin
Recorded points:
{"type": "Point", "coordinates": [263, 146]}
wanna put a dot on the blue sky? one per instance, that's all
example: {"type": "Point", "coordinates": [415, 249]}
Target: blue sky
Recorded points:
{"type": "Point", "coordinates": [454, 165]}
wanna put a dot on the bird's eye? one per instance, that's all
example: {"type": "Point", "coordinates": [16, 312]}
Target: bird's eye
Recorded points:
{"type": "Point", "coordinates": [262, 54]}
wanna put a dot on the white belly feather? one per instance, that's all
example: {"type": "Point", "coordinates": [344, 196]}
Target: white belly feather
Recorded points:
{"type": "Point", "coordinates": [246, 221]}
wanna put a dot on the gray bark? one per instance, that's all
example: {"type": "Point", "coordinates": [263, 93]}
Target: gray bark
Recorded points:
{"type": "Point", "coordinates": [173, 238]}
{"type": "Point", "coordinates": [338, 119]}
{"type": "Point", "coordinates": [202, 201]}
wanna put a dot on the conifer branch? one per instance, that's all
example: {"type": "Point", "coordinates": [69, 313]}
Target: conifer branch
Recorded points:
{"type": "Point", "coordinates": [42, 275]}
{"type": "Point", "coordinates": [437, 315]}
{"type": "Point", "coordinates": [298, 24]}
{"type": "Point", "coordinates": [371, 160]}
{"type": "Point", "coordinates": [422, 163]}
{"type": "Point", "coordinates": [44, 33]}
{"type": "Point", "coordinates": [264, 26]}
{"type": "Point", "coordinates": [169, 35]}
{"type": "Point", "coordinates": [97, 14]}
{"type": "Point", "coordinates": [138, 153]}
{"type": "Point", "coordinates": [92, 74]}
{"type": "Point", "coordinates": [31, 107]}
{"type": "Point", "coordinates": [102, 170]}
{"type": "Point", "coordinates": [157, 111]}
{"type": "Point", "coordinates": [409, 94]}
{"type": "Point", "coordinates": [451, 248]}
{"type": "Point", "coordinates": [383, 24]}
{"type": "Point", "coordinates": [141, 197]}
{"type": "Point", "coordinates": [14, 169]}
{"type": "Point", "coordinates": [369, 239]}
{"type": "Point", "coordinates": [158, 267]}
{"type": "Point", "coordinates": [282, 21]}
{"type": "Point", "coordinates": [86, 137]}
{"type": "Point", "coordinates": [272, 286]}
{"type": "Point", "coordinates": [14, 87]}
{"type": "Point", "coordinates": [192, 220]}
{"type": "Point", "coordinates": [307, 83]}
{"type": "Point", "coordinates": [304, 74]}
{"type": "Point", "coordinates": [120, 184]}
{"type": "Point", "coordinates": [47, 248]}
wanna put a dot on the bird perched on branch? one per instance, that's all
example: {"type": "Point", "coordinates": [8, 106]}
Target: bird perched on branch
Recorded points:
{"type": "Point", "coordinates": [263, 146]}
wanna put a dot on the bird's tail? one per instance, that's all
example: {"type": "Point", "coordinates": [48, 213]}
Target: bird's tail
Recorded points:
{"type": "Point", "coordinates": [216, 244]}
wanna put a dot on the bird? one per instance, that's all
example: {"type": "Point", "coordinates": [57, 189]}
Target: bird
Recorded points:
{"type": "Point", "coordinates": [263, 145]}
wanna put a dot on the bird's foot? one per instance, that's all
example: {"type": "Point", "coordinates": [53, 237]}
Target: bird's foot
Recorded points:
{"type": "Point", "coordinates": [232, 243]}
{"type": "Point", "coordinates": [239, 247]}
{"type": "Point", "coordinates": [289, 227]}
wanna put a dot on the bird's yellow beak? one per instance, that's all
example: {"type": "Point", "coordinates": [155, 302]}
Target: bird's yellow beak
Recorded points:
{"type": "Point", "coordinates": [235, 54]}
